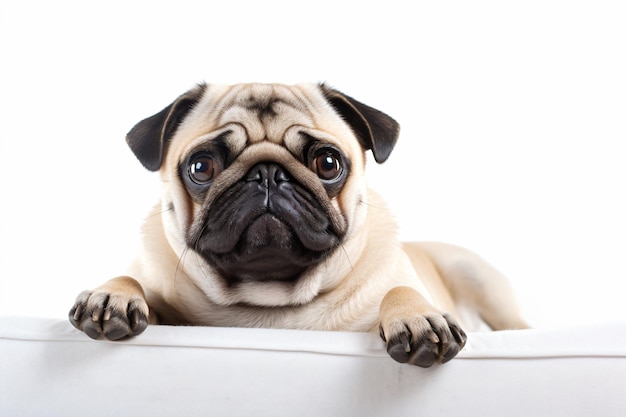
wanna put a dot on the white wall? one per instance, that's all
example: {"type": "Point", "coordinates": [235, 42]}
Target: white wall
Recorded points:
{"type": "Point", "coordinates": [513, 128]}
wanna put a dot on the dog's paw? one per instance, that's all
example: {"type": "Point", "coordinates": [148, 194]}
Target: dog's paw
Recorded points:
{"type": "Point", "coordinates": [423, 340]}
{"type": "Point", "coordinates": [114, 316]}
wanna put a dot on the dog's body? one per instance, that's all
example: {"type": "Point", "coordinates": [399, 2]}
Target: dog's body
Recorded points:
{"type": "Point", "coordinates": [266, 221]}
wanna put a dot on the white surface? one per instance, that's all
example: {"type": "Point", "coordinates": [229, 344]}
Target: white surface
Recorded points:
{"type": "Point", "coordinates": [512, 137]}
{"type": "Point", "coordinates": [48, 368]}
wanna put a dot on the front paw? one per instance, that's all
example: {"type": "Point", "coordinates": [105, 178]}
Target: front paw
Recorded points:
{"type": "Point", "coordinates": [423, 340]}
{"type": "Point", "coordinates": [112, 315]}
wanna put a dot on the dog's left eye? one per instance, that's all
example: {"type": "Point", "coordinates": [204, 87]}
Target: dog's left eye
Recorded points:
{"type": "Point", "coordinates": [203, 168]}
{"type": "Point", "coordinates": [327, 165]}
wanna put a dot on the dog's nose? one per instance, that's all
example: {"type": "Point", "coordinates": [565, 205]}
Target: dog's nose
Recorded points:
{"type": "Point", "coordinates": [268, 174]}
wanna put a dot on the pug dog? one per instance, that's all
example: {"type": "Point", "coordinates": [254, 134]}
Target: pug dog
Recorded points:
{"type": "Point", "coordinates": [266, 220]}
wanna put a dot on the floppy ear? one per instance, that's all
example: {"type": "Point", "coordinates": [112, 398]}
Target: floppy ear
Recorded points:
{"type": "Point", "coordinates": [374, 129]}
{"type": "Point", "coordinates": [149, 138]}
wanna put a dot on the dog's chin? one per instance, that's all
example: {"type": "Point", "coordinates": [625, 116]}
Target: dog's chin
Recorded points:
{"type": "Point", "coordinates": [269, 249]}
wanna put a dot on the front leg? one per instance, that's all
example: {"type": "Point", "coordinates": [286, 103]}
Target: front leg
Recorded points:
{"type": "Point", "coordinates": [415, 331]}
{"type": "Point", "coordinates": [114, 310]}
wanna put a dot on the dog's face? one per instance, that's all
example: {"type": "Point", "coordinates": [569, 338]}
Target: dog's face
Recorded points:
{"type": "Point", "coordinates": [262, 184]}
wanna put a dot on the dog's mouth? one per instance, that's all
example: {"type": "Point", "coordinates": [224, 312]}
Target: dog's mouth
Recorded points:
{"type": "Point", "coordinates": [266, 230]}
{"type": "Point", "coordinates": [269, 249]}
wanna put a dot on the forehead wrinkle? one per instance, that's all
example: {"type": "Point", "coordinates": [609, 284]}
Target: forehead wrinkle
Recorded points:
{"type": "Point", "coordinates": [277, 128]}
{"type": "Point", "coordinates": [265, 111]}
{"type": "Point", "coordinates": [321, 114]}
{"type": "Point", "coordinates": [222, 102]}
{"type": "Point", "coordinates": [305, 100]}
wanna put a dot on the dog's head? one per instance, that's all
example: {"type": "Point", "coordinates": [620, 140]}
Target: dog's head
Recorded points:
{"type": "Point", "coordinates": [262, 184]}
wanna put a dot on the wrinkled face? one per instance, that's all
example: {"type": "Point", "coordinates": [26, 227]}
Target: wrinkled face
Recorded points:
{"type": "Point", "coordinates": [262, 184]}
{"type": "Point", "coordinates": [269, 218]}
{"type": "Point", "coordinates": [260, 171]}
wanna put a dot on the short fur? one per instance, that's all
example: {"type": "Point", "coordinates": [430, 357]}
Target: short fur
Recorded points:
{"type": "Point", "coordinates": [265, 220]}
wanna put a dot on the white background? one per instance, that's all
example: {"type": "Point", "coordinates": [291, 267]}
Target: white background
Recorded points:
{"type": "Point", "coordinates": [513, 128]}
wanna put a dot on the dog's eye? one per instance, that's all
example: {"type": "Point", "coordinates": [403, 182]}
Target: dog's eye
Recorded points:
{"type": "Point", "coordinates": [327, 165]}
{"type": "Point", "coordinates": [203, 168]}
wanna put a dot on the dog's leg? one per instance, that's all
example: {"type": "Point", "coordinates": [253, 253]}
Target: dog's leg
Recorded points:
{"type": "Point", "coordinates": [476, 284]}
{"type": "Point", "coordinates": [415, 331]}
{"type": "Point", "coordinates": [114, 310]}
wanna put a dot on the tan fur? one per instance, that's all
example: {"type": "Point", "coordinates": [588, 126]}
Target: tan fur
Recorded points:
{"type": "Point", "coordinates": [409, 292]}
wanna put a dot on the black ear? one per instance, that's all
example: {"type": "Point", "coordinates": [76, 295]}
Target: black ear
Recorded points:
{"type": "Point", "coordinates": [374, 129]}
{"type": "Point", "coordinates": [149, 138]}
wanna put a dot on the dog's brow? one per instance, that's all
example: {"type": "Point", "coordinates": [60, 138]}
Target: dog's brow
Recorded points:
{"type": "Point", "coordinates": [265, 108]}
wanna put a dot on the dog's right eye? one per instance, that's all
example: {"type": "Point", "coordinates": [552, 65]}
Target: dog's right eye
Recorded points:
{"type": "Point", "coordinates": [203, 168]}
